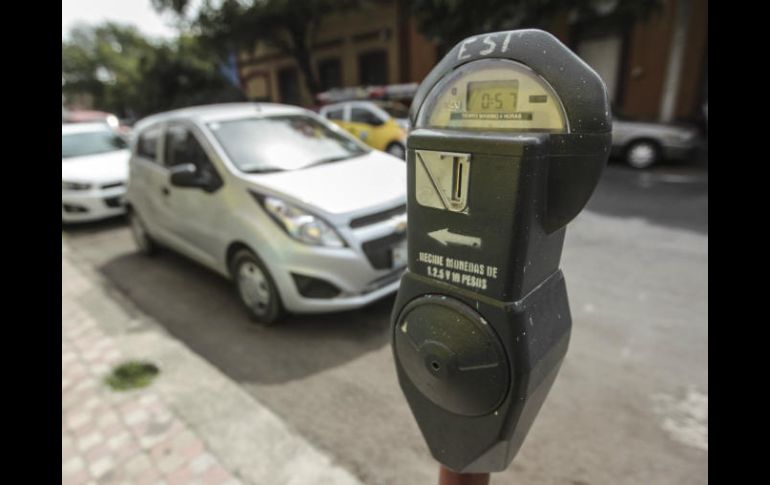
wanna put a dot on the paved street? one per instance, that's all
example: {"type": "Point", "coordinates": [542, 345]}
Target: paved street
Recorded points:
{"type": "Point", "coordinates": [629, 405]}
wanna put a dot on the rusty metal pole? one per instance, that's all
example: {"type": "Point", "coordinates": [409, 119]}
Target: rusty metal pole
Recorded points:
{"type": "Point", "coordinates": [448, 477]}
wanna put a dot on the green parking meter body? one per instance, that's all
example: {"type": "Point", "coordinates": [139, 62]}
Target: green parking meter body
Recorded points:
{"type": "Point", "coordinates": [512, 131]}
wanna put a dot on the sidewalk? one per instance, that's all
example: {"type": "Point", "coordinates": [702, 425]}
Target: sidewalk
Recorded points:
{"type": "Point", "coordinates": [191, 425]}
{"type": "Point", "coordinates": [118, 437]}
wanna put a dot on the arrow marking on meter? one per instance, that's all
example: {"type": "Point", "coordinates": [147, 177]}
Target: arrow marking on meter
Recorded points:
{"type": "Point", "coordinates": [444, 236]}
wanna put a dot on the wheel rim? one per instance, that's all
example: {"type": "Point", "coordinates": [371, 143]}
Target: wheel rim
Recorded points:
{"type": "Point", "coordinates": [140, 235]}
{"type": "Point", "coordinates": [396, 151]}
{"type": "Point", "coordinates": [641, 155]}
{"type": "Point", "coordinates": [253, 287]}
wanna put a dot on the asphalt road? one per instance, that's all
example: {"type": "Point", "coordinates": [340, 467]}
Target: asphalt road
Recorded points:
{"type": "Point", "coordinates": [630, 405]}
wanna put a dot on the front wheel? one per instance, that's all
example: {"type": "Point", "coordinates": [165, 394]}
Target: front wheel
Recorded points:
{"type": "Point", "coordinates": [142, 238]}
{"type": "Point", "coordinates": [397, 150]}
{"type": "Point", "coordinates": [642, 154]}
{"type": "Point", "coordinates": [256, 288]}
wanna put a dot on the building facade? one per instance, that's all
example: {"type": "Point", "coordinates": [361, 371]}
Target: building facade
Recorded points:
{"type": "Point", "coordinates": [655, 69]}
{"type": "Point", "coordinates": [375, 45]}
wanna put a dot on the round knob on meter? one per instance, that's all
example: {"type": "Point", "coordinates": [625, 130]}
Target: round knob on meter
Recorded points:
{"type": "Point", "coordinates": [452, 355]}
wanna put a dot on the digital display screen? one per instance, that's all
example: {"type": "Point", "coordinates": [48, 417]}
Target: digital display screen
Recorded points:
{"type": "Point", "coordinates": [492, 96]}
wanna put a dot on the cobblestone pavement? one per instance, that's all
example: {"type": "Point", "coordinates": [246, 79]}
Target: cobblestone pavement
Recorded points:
{"type": "Point", "coordinates": [118, 437]}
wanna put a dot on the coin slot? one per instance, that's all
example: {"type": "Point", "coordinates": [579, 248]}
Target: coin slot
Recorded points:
{"type": "Point", "coordinates": [457, 171]}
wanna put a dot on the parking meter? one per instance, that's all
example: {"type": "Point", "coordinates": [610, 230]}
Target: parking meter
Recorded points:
{"type": "Point", "coordinates": [511, 133]}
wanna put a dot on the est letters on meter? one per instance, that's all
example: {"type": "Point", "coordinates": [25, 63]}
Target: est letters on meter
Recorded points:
{"type": "Point", "coordinates": [511, 133]}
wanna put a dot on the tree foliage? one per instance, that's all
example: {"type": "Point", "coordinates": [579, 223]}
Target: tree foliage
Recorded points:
{"type": "Point", "coordinates": [287, 25]}
{"type": "Point", "coordinates": [104, 61]}
{"type": "Point", "coordinates": [128, 75]}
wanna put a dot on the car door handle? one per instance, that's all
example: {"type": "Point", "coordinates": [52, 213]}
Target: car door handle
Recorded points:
{"type": "Point", "coordinates": [165, 191]}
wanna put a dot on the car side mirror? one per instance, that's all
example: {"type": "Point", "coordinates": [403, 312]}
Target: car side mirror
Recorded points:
{"type": "Point", "coordinates": [185, 175]}
{"type": "Point", "coordinates": [188, 175]}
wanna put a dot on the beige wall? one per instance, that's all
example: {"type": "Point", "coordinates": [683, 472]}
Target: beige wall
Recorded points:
{"type": "Point", "coordinates": [421, 53]}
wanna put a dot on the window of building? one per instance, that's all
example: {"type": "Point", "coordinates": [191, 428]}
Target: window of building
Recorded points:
{"type": "Point", "coordinates": [330, 73]}
{"type": "Point", "coordinates": [603, 54]}
{"type": "Point", "coordinates": [373, 68]}
{"type": "Point", "coordinates": [288, 85]}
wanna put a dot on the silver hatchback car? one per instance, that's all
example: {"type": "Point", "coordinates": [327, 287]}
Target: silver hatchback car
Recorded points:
{"type": "Point", "coordinates": [299, 214]}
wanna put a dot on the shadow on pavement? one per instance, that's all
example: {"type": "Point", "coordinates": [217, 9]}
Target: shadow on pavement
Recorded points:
{"type": "Point", "coordinates": [201, 309]}
{"type": "Point", "coordinates": [77, 229]}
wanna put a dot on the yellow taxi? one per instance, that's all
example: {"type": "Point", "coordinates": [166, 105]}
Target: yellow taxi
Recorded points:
{"type": "Point", "coordinates": [379, 124]}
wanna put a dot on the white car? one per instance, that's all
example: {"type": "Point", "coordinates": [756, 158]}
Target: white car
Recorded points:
{"type": "Point", "coordinates": [94, 170]}
{"type": "Point", "coordinates": [643, 144]}
{"type": "Point", "coordinates": [301, 215]}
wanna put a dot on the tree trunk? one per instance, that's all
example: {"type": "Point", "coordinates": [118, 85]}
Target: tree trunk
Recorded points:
{"type": "Point", "coordinates": [301, 54]}
{"type": "Point", "coordinates": [302, 57]}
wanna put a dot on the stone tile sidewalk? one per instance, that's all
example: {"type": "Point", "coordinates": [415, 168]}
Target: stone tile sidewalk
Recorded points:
{"type": "Point", "coordinates": [119, 437]}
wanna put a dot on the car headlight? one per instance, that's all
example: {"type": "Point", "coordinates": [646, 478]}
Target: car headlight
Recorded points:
{"type": "Point", "coordinates": [113, 121]}
{"type": "Point", "coordinates": [74, 186]}
{"type": "Point", "coordinates": [300, 224]}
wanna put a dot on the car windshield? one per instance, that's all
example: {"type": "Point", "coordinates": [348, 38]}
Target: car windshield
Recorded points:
{"type": "Point", "coordinates": [280, 143]}
{"type": "Point", "coordinates": [395, 110]}
{"type": "Point", "coordinates": [90, 143]}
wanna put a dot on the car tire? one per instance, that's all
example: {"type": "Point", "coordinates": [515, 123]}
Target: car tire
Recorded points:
{"type": "Point", "coordinates": [397, 150]}
{"type": "Point", "coordinates": [256, 289]}
{"type": "Point", "coordinates": [144, 242]}
{"type": "Point", "coordinates": [642, 154]}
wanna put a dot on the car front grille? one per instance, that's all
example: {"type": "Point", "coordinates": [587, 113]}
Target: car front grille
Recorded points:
{"type": "Point", "coordinates": [74, 208]}
{"type": "Point", "coordinates": [113, 185]}
{"type": "Point", "coordinates": [379, 251]}
{"type": "Point", "coordinates": [377, 217]}
{"type": "Point", "coordinates": [389, 278]}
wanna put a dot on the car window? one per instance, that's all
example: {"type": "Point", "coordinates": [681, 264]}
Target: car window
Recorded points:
{"type": "Point", "coordinates": [90, 143]}
{"type": "Point", "coordinates": [336, 114]}
{"type": "Point", "coordinates": [147, 144]}
{"type": "Point", "coordinates": [279, 143]}
{"type": "Point", "coordinates": [362, 115]}
{"type": "Point", "coordinates": [394, 109]}
{"type": "Point", "coordinates": [182, 147]}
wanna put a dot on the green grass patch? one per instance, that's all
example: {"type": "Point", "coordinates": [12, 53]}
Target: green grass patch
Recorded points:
{"type": "Point", "coordinates": [132, 375]}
